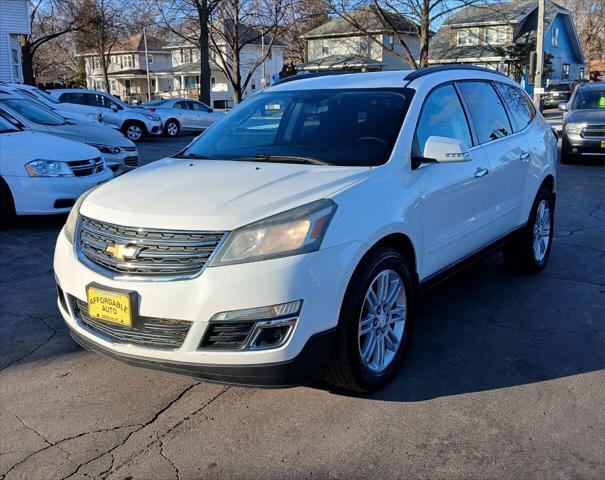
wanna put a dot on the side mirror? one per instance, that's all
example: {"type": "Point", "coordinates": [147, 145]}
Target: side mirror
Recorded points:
{"type": "Point", "coordinates": [114, 108]}
{"type": "Point", "coordinates": [563, 106]}
{"type": "Point", "coordinates": [210, 110]}
{"type": "Point", "coordinates": [446, 150]}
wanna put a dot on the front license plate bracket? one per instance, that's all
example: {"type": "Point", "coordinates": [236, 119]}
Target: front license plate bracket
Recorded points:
{"type": "Point", "coordinates": [111, 305]}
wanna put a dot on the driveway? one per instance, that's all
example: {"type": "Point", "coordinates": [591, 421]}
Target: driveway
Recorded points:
{"type": "Point", "coordinates": [504, 379]}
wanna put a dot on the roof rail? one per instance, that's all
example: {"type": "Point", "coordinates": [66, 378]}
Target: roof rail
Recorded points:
{"type": "Point", "coordinates": [422, 72]}
{"type": "Point", "coordinates": [302, 76]}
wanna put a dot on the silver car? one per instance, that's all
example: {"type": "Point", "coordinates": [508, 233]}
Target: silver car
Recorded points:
{"type": "Point", "coordinates": [180, 114]}
{"type": "Point", "coordinates": [119, 153]}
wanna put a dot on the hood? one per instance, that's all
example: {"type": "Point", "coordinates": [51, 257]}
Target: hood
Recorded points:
{"type": "Point", "coordinates": [89, 133]}
{"type": "Point", "coordinates": [213, 195]}
{"type": "Point", "coordinates": [586, 116]}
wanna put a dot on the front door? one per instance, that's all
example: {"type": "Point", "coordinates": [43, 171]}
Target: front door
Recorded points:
{"type": "Point", "coordinates": [455, 196]}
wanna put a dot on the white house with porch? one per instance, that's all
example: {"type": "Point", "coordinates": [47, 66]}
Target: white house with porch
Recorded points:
{"type": "Point", "coordinates": [127, 70]}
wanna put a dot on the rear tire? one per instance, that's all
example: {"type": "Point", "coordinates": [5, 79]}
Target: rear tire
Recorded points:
{"type": "Point", "coordinates": [7, 205]}
{"type": "Point", "coordinates": [380, 319]}
{"type": "Point", "coordinates": [134, 131]}
{"type": "Point", "coordinates": [530, 249]}
{"type": "Point", "coordinates": [172, 128]}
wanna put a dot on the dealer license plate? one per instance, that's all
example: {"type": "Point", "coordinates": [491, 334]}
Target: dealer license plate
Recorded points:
{"type": "Point", "coordinates": [109, 306]}
{"type": "Point", "coordinates": [602, 143]}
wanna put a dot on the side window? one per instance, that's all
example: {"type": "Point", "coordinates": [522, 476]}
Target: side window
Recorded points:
{"type": "Point", "coordinates": [442, 116]}
{"type": "Point", "coordinates": [181, 105]}
{"type": "Point", "coordinates": [486, 110]}
{"type": "Point", "coordinates": [518, 105]}
{"type": "Point", "coordinates": [198, 107]}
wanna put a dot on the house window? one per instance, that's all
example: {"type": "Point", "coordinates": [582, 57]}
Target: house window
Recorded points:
{"type": "Point", "coordinates": [467, 36]}
{"type": "Point", "coordinates": [191, 82]}
{"type": "Point", "coordinates": [325, 46]}
{"type": "Point", "coordinates": [150, 59]}
{"type": "Point", "coordinates": [96, 63]}
{"type": "Point", "coordinates": [581, 73]}
{"type": "Point", "coordinates": [127, 61]}
{"type": "Point", "coordinates": [127, 85]}
{"type": "Point", "coordinates": [253, 84]}
{"type": "Point", "coordinates": [113, 59]}
{"type": "Point", "coordinates": [566, 71]}
{"type": "Point", "coordinates": [212, 81]}
{"type": "Point", "coordinates": [113, 86]}
{"type": "Point", "coordinates": [186, 55]}
{"type": "Point", "coordinates": [495, 35]}
{"type": "Point", "coordinates": [554, 39]}
{"type": "Point", "coordinates": [16, 64]}
{"type": "Point", "coordinates": [153, 83]}
{"type": "Point", "coordinates": [389, 41]}
{"type": "Point", "coordinates": [98, 85]}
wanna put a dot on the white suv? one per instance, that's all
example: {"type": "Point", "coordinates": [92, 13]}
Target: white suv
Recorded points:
{"type": "Point", "coordinates": [291, 240]}
{"type": "Point", "coordinates": [134, 123]}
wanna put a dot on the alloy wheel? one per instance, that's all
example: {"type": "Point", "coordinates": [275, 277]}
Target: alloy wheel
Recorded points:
{"type": "Point", "coordinates": [382, 321]}
{"type": "Point", "coordinates": [172, 129]}
{"type": "Point", "coordinates": [134, 133]}
{"type": "Point", "coordinates": [541, 239]}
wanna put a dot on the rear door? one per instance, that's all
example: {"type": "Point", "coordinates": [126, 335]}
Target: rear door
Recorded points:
{"type": "Point", "coordinates": [508, 154]}
{"type": "Point", "coordinates": [455, 196]}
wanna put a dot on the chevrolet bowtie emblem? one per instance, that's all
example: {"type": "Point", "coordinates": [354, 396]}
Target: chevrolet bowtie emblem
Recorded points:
{"type": "Point", "coordinates": [123, 252]}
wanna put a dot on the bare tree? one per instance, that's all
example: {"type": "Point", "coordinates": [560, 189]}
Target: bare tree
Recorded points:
{"type": "Point", "coordinates": [189, 20]}
{"type": "Point", "coordinates": [423, 15]}
{"type": "Point", "coordinates": [102, 31]}
{"type": "Point", "coordinates": [236, 25]}
{"type": "Point", "coordinates": [589, 17]}
{"type": "Point", "coordinates": [301, 17]}
{"type": "Point", "coordinates": [49, 20]}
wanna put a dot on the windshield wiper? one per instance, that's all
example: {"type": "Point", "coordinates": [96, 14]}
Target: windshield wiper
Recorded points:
{"type": "Point", "coordinates": [192, 155]}
{"type": "Point", "coordinates": [261, 157]}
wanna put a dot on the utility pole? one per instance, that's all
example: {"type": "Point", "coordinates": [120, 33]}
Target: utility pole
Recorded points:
{"type": "Point", "coordinates": [262, 55]}
{"type": "Point", "coordinates": [539, 53]}
{"type": "Point", "coordinates": [147, 64]}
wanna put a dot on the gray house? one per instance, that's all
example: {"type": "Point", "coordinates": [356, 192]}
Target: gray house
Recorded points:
{"type": "Point", "coordinates": [363, 43]}
{"type": "Point", "coordinates": [476, 35]}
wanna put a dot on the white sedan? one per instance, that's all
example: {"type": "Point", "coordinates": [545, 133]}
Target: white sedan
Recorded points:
{"type": "Point", "coordinates": [42, 174]}
{"type": "Point", "coordinates": [179, 114]}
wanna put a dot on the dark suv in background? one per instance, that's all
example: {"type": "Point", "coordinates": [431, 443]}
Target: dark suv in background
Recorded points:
{"type": "Point", "coordinates": [555, 94]}
{"type": "Point", "coordinates": [584, 123]}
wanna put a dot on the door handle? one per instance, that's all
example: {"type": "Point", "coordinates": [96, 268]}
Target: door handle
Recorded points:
{"type": "Point", "coordinates": [524, 156]}
{"type": "Point", "coordinates": [481, 172]}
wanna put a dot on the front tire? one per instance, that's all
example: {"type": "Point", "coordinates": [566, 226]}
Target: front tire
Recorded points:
{"type": "Point", "coordinates": [7, 205]}
{"type": "Point", "coordinates": [134, 131]}
{"type": "Point", "coordinates": [375, 323]}
{"type": "Point", "coordinates": [530, 250]}
{"type": "Point", "coordinates": [172, 128]}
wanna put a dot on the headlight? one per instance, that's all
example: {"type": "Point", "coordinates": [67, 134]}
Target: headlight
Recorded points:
{"type": "Point", "coordinates": [72, 219]}
{"type": "Point", "coordinates": [574, 127]}
{"type": "Point", "coordinates": [154, 118]}
{"type": "Point", "coordinates": [48, 168]}
{"type": "Point", "coordinates": [300, 230]}
{"type": "Point", "coordinates": [106, 148]}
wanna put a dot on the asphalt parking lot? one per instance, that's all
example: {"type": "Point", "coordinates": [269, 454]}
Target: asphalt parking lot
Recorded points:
{"type": "Point", "coordinates": [504, 379]}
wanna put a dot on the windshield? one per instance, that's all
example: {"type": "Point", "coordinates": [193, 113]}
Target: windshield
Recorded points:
{"type": "Point", "coordinates": [337, 127]}
{"type": "Point", "coordinates": [562, 87]}
{"type": "Point", "coordinates": [590, 100]}
{"type": "Point", "coordinates": [6, 126]}
{"type": "Point", "coordinates": [33, 112]}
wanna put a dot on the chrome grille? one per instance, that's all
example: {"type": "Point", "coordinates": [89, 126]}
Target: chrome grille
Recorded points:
{"type": "Point", "coordinates": [594, 131]}
{"type": "Point", "coordinates": [146, 331]}
{"type": "Point", "coordinates": [160, 253]}
{"type": "Point", "coordinates": [84, 168]}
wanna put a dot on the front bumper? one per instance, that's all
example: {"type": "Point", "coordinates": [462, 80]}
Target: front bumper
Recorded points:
{"type": "Point", "coordinates": [121, 162]}
{"type": "Point", "coordinates": [153, 128]}
{"type": "Point", "coordinates": [576, 144]}
{"type": "Point", "coordinates": [45, 195]}
{"type": "Point", "coordinates": [318, 278]}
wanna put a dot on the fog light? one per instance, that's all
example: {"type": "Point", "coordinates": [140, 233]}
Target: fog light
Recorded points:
{"type": "Point", "coordinates": [271, 334]}
{"type": "Point", "coordinates": [574, 150]}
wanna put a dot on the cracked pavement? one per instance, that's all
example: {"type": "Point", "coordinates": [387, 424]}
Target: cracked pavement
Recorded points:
{"type": "Point", "coordinates": [504, 379]}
